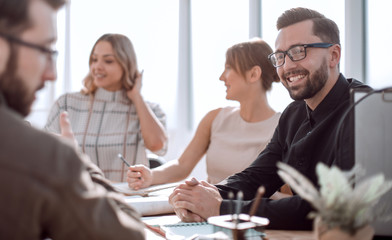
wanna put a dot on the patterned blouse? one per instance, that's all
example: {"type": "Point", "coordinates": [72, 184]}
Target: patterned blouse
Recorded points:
{"type": "Point", "coordinates": [105, 124]}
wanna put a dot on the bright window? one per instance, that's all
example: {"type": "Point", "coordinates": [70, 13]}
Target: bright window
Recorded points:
{"type": "Point", "coordinates": [151, 25]}
{"type": "Point", "coordinates": [216, 26]}
{"type": "Point", "coordinates": [378, 45]}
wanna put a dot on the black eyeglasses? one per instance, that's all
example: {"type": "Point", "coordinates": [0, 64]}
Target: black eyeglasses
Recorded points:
{"type": "Point", "coordinates": [295, 53]}
{"type": "Point", "coordinates": [51, 53]}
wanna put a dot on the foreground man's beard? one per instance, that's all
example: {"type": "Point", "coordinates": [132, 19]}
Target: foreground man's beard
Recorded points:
{"type": "Point", "coordinates": [14, 90]}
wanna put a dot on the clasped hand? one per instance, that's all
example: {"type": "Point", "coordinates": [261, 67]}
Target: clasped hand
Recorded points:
{"type": "Point", "coordinates": [195, 201]}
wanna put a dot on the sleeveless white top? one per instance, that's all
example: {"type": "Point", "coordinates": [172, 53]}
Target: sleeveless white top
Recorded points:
{"type": "Point", "coordinates": [235, 143]}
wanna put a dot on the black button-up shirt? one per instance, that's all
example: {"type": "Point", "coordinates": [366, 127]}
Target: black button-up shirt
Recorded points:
{"type": "Point", "coordinates": [302, 139]}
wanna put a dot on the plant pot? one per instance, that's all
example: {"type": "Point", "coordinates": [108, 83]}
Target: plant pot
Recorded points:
{"type": "Point", "coordinates": [323, 233]}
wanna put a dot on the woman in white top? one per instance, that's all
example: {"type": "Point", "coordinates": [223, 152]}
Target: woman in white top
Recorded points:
{"type": "Point", "coordinates": [231, 137]}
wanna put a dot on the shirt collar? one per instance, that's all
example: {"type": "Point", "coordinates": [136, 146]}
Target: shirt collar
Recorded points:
{"type": "Point", "coordinates": [117, 96]}
{"type": "Point", "coordinates": [331, 101]}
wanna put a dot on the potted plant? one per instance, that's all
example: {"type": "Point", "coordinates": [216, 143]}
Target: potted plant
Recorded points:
{"type": "Point", "coordinates": [342, 211]}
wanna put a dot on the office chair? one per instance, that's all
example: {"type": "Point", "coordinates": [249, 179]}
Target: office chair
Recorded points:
{"type": "Point", "coordinates": [155, 160]}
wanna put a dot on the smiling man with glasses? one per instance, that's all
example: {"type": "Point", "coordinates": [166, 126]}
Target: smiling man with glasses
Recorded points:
{"type": "Point", "coordinates": [48, 189]}
{"type": "Point", "coordinates": [295, 53]}
{"type": "Point", "coordinates": [307, 59]}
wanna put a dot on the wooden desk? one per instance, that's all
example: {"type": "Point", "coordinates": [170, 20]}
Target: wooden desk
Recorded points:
{"type": "Point", "coordinates": [292, 235]}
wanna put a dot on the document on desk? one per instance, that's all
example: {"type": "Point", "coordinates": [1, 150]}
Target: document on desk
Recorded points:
{"type": "Point", "coordinates": [153, 190]}
{"type": "Point", "coordinates": [147, 206]}
{"type": "Point", "coordinates": [149, 201]}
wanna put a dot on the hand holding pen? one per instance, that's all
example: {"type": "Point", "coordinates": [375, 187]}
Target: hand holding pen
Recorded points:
{"type": "Point", "coordinates": [138, 176]}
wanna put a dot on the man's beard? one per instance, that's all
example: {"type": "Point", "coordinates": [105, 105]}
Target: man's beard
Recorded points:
{"type": "Point", "coordinates": [313, 85]}
{"type": "Point", "coordinates": [14, 90]}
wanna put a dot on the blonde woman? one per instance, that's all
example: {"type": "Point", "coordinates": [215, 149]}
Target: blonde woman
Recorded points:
{"type": "Point", "coordinates": [110, 116]}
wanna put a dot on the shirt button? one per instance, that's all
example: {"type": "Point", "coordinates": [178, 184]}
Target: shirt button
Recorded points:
{"type": "Point", "coordinates": [309, 132]}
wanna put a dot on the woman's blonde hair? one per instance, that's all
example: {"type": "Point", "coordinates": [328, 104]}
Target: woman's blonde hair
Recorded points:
{"type": "Point", "coordinates": [124, 54]}
{"type": "Point", "coordinates": [244, 56]}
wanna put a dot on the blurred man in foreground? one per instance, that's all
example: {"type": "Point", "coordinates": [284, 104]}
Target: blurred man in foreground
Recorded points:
{"type": "Point", "coordinates": [48, 190]}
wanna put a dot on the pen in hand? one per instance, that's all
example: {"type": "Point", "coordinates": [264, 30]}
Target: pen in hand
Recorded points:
{"type": "Point", "coordinates": [123, 159]}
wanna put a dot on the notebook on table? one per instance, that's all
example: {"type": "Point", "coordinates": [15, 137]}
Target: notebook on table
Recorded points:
{"type": "Point", "coordinates": [184, 230]}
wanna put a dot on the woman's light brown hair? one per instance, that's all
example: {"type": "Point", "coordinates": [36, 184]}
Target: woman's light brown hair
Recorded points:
{"type": "Point", "coordinates": [124, 54]}
{"type": "Point", "coordinates": [244, 56]}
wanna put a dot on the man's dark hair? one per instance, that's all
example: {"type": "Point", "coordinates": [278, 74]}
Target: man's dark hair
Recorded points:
{"type": "Point", "coordinates": [323, 27]}
{"type": "Point", "coordinates": [14, 17]}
